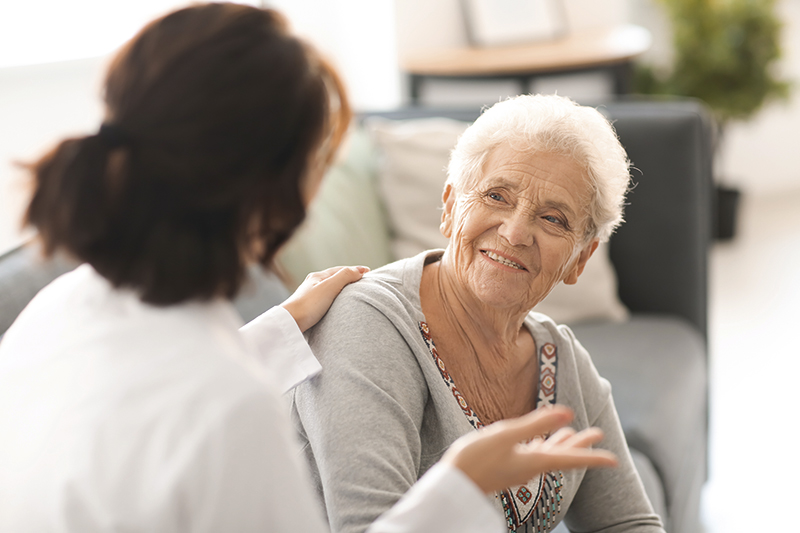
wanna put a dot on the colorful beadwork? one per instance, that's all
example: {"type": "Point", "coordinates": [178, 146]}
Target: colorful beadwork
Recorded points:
{"type": "Point", "coordinates": [536, 504]}
{"type": "Point", "coordinates": [462, 402]}
{"type": "Point", "coordinates": [547, 375]}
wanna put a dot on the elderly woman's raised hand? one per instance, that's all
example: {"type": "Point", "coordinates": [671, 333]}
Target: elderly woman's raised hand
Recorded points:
{"type": "Point", "coordinates": [497, 457]}
{"type": "Point", "coordinates": [314, 296]}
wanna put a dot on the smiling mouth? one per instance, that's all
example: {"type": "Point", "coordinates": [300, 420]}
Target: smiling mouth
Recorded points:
{"type": "Point", "coordinates": [502, 260]}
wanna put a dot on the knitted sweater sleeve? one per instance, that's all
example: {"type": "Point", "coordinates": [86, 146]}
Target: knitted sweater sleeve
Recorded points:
{"type": "Point", "coordinates": [360, 418]}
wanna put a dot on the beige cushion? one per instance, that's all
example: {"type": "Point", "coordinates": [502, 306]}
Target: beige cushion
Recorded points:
{"type": "Point", "coordinates": [346, 223]}
{"type": "Point", "coordinates": [411, 173]}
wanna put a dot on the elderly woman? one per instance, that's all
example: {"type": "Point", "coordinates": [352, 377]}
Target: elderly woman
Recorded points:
{"type": "Point", "coordinates": [427, 349]}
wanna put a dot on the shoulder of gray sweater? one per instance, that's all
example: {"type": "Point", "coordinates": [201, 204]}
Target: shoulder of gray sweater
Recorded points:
{"type": "Point", "coordinates": [375, 314]}
{"type": "Point", "coordinates": [381, 290]}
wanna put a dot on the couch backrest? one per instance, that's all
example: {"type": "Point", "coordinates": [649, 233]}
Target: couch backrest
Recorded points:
{"type": "Point", "coordinates": [661, 252]}
{"type": "Point", "coordinates": [23, 273]}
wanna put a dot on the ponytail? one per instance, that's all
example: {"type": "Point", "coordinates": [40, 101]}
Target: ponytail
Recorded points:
{"type": "Point", "coordinates": [220, 115]}
{"type": "Point", "coordinates": [71, 198]}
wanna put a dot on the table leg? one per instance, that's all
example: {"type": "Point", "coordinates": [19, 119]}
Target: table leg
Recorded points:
{"type": "Point", "coordinates": [414, 84]}
{"type": "Point", "coordinates": [524, 84]}
{"type": "Point", "coordinates": [623, 78]}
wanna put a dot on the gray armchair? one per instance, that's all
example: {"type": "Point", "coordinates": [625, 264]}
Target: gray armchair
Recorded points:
{"type": "Point", "coordinates": [656, 361]}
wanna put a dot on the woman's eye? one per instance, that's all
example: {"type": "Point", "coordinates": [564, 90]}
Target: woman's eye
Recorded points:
{"type": "Point", "coordinates": [552, 219]}
{"type": "Point", "coordinates": [497, 197]}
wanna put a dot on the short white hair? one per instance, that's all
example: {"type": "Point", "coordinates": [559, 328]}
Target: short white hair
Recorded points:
{"type": "Point", "coordinates": [553, 124]}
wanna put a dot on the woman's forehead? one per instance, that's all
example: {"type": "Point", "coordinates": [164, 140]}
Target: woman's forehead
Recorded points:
{"type": "Point", "coordinates": [517, 170]}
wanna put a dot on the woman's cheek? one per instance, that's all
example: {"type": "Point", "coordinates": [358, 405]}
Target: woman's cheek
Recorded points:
{"type": "Point", "coordinates": [467, 220]}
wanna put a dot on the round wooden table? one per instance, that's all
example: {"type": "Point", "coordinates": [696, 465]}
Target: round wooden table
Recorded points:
{"type": "Point", "coordinates": [608, 49]}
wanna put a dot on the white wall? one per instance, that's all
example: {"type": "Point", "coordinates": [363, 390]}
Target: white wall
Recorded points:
{"type": "Point", "coordinates": [440, 24]}
{"type": "Point", "coordinates": [58, 93]}
{"type": "Point", "coordinates": [38, 105]}
{"type": "Point", "coordinates": [359, 35]}
{"type": "Point", "coordinates": [758, 156]}
{"type": "Point", "coordinates": [762, 156]}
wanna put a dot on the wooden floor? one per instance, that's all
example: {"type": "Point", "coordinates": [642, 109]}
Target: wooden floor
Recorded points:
{"type": "Point", "coordinates": [755, 371]}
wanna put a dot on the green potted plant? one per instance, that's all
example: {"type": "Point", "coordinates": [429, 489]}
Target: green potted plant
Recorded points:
{"type": "Point", "coordinates": [725, 53]}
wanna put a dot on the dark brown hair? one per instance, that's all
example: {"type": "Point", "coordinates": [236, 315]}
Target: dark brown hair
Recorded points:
{"type": "Point", "coordinates": [215, 117]}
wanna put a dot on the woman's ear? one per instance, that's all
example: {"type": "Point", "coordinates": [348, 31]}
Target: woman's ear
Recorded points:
{"type": "Point", "coordinates": [448, 200]}
{"type": "Point", "coordinates": [580, 263]}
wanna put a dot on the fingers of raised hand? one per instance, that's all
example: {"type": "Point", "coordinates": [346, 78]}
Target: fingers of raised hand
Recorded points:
{"type": "Point", "coordinates": [558, 438]}
{"type": "Point", "coordinates": [513, 451]}
{"type": "Point", "coordinates": [567, 449]}
{"type": "Point", "coordinates": [534, 424]}
{"type": "Point", "coordinates": [585, 438]}
{"type": "Point", "coordinates": [585, 458]}
{"type": "Point", "coordinates": [566, 438]}
{"type": "Point", "coordinates": [567, 458]}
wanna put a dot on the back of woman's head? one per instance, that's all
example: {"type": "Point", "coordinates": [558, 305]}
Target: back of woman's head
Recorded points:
{"type": "Point", "coordinates": [215, 117]}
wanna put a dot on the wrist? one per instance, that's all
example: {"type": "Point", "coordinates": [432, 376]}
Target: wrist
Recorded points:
{"type": "Point", "coordinates": [291, 308]}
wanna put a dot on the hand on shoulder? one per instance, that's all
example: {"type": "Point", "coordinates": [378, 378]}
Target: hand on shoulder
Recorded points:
{"type": "Point", "coordinates": [314, 296]}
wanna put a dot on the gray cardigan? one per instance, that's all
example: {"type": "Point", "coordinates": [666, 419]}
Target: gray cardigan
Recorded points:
{"type": "Point", "coordinates": [382, 412]}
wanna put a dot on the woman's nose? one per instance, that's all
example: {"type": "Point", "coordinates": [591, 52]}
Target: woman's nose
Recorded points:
{"type": "Point", "coordinates": [517, 230]}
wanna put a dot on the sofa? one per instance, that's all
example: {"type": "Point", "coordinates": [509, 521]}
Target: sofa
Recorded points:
{"type": "Point", "coordinates": [648, 335]}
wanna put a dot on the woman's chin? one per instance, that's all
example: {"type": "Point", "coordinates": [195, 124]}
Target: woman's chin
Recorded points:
{"type": "Point", "coordinates": [506, 296]}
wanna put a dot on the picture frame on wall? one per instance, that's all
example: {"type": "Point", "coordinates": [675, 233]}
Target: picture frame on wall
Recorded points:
{"type": "Point", "coordinates": [508, 22]}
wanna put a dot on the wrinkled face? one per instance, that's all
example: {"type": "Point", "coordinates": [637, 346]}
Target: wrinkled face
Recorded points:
{"type": "Point", "coordinates": [520, 229]}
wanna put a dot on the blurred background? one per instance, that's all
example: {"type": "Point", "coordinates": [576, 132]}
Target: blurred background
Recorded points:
{"type": "Point", "coordinates": [53, 54]}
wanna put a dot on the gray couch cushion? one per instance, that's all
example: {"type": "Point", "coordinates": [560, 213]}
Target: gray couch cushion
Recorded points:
{"type": "Point", "coordinates": [653, 486]}
{"type": "Point", "coordinates": [657, 368]}
{"type": "Point", "coordinates": [262, 291]}
{"type": "Point", "coordinates": [661, 252]}
{"type": "Point", "coordinates": [23, 272]}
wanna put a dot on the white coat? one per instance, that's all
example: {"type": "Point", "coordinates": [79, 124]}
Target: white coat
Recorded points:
{"type": "Point", "coordinates": [117, 415]}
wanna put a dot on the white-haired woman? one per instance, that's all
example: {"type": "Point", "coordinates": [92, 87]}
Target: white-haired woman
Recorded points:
{"type": "Point", "coordinates": [430, 348]}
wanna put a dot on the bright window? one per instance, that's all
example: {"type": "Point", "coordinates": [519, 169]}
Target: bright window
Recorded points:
{"type": "Point", "coordinates": [46, 31]}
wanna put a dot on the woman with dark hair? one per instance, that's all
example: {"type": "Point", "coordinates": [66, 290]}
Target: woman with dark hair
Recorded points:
{"type": "Point", "coordinates": [129, 398]}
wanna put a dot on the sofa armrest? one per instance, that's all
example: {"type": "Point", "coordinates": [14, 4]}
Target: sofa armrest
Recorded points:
{"type": "Point", "coordinates": [656, 365]}
{"type": "Point", "coordinates": [23, 273]}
